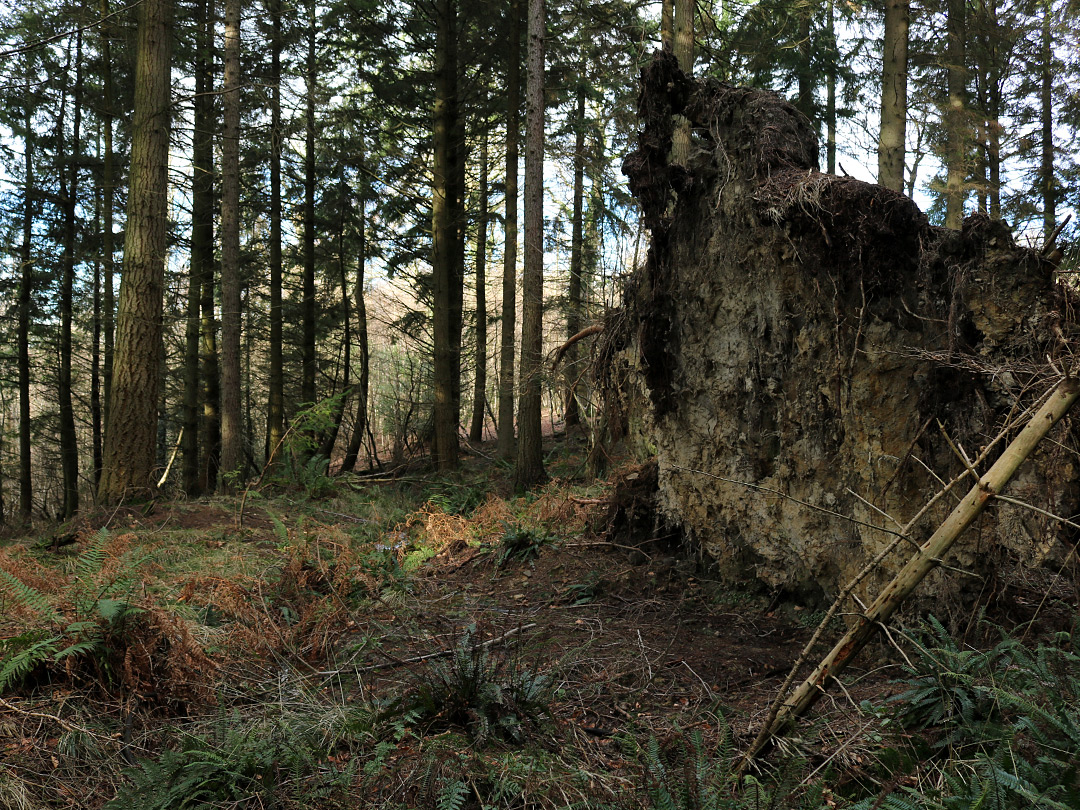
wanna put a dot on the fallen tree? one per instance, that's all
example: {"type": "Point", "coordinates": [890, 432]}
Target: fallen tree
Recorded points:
{"type": "Point", "coordinates": [820, 360]}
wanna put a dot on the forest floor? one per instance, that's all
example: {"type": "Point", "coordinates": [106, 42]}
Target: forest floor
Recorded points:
{"type": "Point", "coordinates": [409, 640]}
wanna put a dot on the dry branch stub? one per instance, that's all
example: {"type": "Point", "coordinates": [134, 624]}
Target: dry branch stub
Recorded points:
{"type": "Point", "coordinates": [800, 336]}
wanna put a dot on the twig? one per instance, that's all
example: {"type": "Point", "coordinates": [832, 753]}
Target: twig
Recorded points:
{"type": "Point", "coordinates": [397, 662]}
{"type": "Point", "coordinates": [60, 721]}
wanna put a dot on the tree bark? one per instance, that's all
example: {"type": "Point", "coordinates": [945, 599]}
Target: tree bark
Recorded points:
{"type": "Point", "coordinates": [276, 401]}
{"type": "Point", "coordinates": [69, 192]}
{"type": "Point", "coordinates": [529, 470]}
{"type": "Point", "coordinates": [307, 341]}
{"type": "Point", "coordinates": [130, 433]}
{"type": "Point", "coordinates": [891, 147]}
{"type": "Point", "coordinates": [684, 52]}
{"type": "Point", "coordinates": [202, 242]}
{"type": "Point", "coordinates": [476, 428]}
{"type": "Point", "coordinates": [232, 430]}
{"type": "Point", "coordinates": [108, 192]}
{"type": "Point", "coordinates": [955, 114]}
{"type": "Point", "coordinates": [444, 235]}
{"type": "Point", "coordinates": [26, 284]}
{"type": "Point", "coordinates": [326, 450]}
{"type": "Point", "coordinates": [830, 99]}
{"type": "Point", "coordinates": [506, 447]}
{"type": "Point", "coordinates": [574, 318]}
{"type": "Point", "coordinates": [1047, 179]}
{"type": "Point", "coordinates": [360, 390]}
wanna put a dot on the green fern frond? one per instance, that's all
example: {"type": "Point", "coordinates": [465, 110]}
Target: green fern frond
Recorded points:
{"type": "Point", "coordinates": [27, 597]}
{"type": "Point", "coordinates": [18, 663]}
{"type": "Point", "coordinates": [452, 795]}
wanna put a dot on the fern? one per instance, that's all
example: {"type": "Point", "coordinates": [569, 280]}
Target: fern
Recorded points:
{"type": "Point", "coordinates": [20, 662]}
{"type": "Point", "coordinates": [27, 597]}
{"type": "Point", "coordinates": [452, 795]}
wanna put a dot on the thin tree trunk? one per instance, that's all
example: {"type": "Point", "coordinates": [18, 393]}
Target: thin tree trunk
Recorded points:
{"type": "Point", "coordinates": [276, 404]}
{"type": "Point", "coordinates": [1046, 115]}
{"type": "Point", "coordinates": [891, 147]}
{"type": "Point", "coordinates": [993, 143]}
{"type": "Point", "coordinates": [307, 339]}
{"type": "Point", "coordinates": [444, 235]}
{"type": "Point", "coordinates": [529, 470]}
{"type": "Point", "coordinates": [202, 242]}
{"type": "Point", "coordinates": [69, 191]}
{"type": "Point", "coordinates": [232, 429]}
{"type": "Point", "coordinates": [360, 390]}
{"type": "Point", "coordinates": [571, 369]}
{"type": "Point", "coordinates": [667, 25]}
{"type": "Point", "coordinates": [684, 53]}
{"type": "Point", "coordinates": [830, 99]}
{"type": "Point", "coordinates": [327, 448]}
{"type": "Point", "coordinates": [95, 352]}
{"type": "Point", "coordinates": [955, 116]}
{"type": "Point", "coordinates": [108, 190]}
{"type": "Point", "coordinates": [506, 448]}
{"type": "Point", "coordinates": [130, 434]}
{"type": "Point", "coordinates": [476, 429]}
{"type": "Point", "coordinates": [26, 284]}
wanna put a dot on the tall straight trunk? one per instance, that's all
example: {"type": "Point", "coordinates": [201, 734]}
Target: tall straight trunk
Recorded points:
{"type": "Point", "coordinates": [476, 428]}
{"type": "Point", "coordinates": [232, 429]}
{"type": "Point", "coordinates": [69, 192]}
{"type": "Point", "coordinates": [993, 143]}
{"type": "Point", "coordinates": [209, 373]}
{"type": "Point", "coordinates": [202, 242]}
{"type": "Point", "coordinates": [108, 192]}
{"type": "Point", "coordinates": [1046, 116]}
{"type": "Point", "coordinates": [26, 283]}
{"type": "Point", "coordinates": [574, 304]}
{"type": "Point", "coordinates": [684, 53]}
{"type": "Point", "coordinates": [130, 433]}
{"type": "Point", "coordinates": [667, 25]}
{"type": "Point", "coordinates": [275, 429]}
{"type": "Point", "coordinates": [830, 99]}
{"type": "Point", "coordinates": [326, 450]}
{"type": "Point", "coordinates": [444, 235]}
{"type": "Point", "coordinates": [360, 390]}
{"type": "Point", "coordinates": [95, 351]}
{"type": "Point", "coordinates": [529, 469]}
{"type": "Point", "coordinates": [891, 147]}
{"type": "Point", "coordinates": [955, 115]}
{"type": "Point", "coordinates": [307, 316]}
{"type": "Point", "coordinates": [804, 75]}
{"type": "Point", "coordinates": [505, 446]}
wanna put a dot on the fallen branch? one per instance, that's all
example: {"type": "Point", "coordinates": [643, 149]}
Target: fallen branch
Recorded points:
{"type": "Point", "coordinates": [560, 352]}
{"type": "Point", "coordinates": [926, 559]}
{"type": "Point", "coordinates": [400, 662]}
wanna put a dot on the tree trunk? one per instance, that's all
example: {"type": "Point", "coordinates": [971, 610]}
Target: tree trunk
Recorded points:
{"type": "Point", "coordinates": [202, 241]}
{"type": "Point", "coordinates": [95, 351]}
{"type": "Point", "coordinates": [130, 433]}
{"type": "Point", "coordinates": [307, 339]}
{"type": "Point", "coordinates": [529, 470]}
{"type": "Point", "coordinates": [894, 95]}
{"type": "Point", "coordinates": [476, 429]}
{"type": "Point", "coordinates": [1046, 115]}
{"type": "Point", "coordinates": [326, 450]}
{"type": "Point", "coordinates": [108, 191]}
{"type": "Point", "coordinates": [830, 100]}
{"type": "Point", "coordinates": [667, 25]}
{"type": "Point", "coordinates": [276, 404]}
{"type": "Point", "coordinates": [505, 447]}
{"type": "Point", "coordinates": [69, 191]}
{"type": "Point", "coordinates": [444, 235]}
{"type": "Point", "coordinates": [574, 305]}
{"type": "Point", "coordinates": [26, 283]}
{"type": "Point", "coordinates": [684, 52]}
{"type": "Point", "coordinates": [955, 114]}
{"type": "Point", "coordinates": [360, 390]}
{"type": "Point", "coordinates": [232, 429]}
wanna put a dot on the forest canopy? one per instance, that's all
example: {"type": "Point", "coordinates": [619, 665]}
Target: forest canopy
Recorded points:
{"type": "Point", "coordinates": [244, 235]}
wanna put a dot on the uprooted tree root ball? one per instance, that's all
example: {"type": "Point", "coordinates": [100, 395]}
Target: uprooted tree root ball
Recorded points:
{"type": "Point", "coordinates": [809, 341]}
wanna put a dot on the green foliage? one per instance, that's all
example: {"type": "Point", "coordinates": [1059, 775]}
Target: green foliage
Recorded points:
{"type": "Point", "coordinates": [947, 684]}
{"type": "Point", "coordinates": [461, 499]}
{"type": "Point", "coordinates": [520, 544]}
{"type": "Point", "coordinates": [97, 611]}
{"type": "Point", "coordinates": [488, 694]}
{"type": "Point", "coordinates": [302, 467]}
{"type": "Point", "coordinates": [684, 775]}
